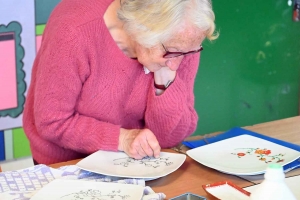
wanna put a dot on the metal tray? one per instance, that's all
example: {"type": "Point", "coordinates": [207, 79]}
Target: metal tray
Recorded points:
{"type": "Point", "coordinates": [188, 196]}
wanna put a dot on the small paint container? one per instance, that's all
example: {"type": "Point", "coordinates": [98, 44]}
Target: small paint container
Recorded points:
{"type": "Point", "coordinates": [188, 196]}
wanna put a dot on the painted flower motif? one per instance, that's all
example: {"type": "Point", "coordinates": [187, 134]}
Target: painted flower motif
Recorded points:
{"type": "Point", "coordinates": [262, 154]}
{"type": "Point", "coordinates": [263, 151]}
{"type": "Point", "coordinates": [258, 151]}
{"type": "Point", "coordinates": [263, 159]}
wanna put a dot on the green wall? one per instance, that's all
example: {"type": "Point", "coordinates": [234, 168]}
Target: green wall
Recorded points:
{"type": "Point", "coordinates": [250, 74]}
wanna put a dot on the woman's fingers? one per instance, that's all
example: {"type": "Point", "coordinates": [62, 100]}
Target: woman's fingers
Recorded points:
{"type": "Point", "coordinates": [139, 143]}
{"type": "Point", "coordinates": [152, 144]}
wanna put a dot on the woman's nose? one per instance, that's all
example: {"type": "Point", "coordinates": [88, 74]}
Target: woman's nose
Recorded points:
{"type": "Point", "coordinates": [173, 63]}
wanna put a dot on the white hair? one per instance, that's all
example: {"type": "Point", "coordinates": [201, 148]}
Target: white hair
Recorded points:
{"type": "Point", "coordinates": [150, 22]}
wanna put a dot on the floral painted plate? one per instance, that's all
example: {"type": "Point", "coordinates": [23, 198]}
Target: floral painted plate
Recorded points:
{"type": "Point", "coordinates": [243, 155]}
{"type": "Point", "coordinates": [118, 164]}
{"type": "Point", "coordinates": [78, 189]}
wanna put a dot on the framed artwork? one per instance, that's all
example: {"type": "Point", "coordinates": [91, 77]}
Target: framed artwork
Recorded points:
{"type": "Point", "coordinates": [12, 82]}
{"type": "Point", "coordinates": [17, 53]}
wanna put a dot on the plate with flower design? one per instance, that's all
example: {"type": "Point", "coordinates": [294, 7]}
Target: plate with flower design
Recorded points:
{"type": "Point", "coordinates": [243, 155]}
{"type": "Point", "coordinates": [119, 164]}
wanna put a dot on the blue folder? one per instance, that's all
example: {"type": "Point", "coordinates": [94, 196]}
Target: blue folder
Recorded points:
{"type": "Point", "coordinates": [2, 149]}
{"type": "Point", "coordinates": [240, 131]}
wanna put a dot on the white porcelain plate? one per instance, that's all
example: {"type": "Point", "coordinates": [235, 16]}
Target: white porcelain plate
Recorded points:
{"type": "Point", "coordinates": [243, 155]}
{"type": "Point", "coordinates": [118, 164]}
{"type": "Point", "coordinates": [75, 189]}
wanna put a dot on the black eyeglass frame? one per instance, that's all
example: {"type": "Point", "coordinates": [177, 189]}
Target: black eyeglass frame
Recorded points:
{"type": "Point", "coordinates": [170, 54]}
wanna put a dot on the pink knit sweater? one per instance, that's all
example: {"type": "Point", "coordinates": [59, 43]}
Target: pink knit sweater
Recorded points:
{"type": "Point", "coordinates": [84, 89]}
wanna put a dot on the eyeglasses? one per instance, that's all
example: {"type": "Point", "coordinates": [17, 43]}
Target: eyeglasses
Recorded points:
{"type": "Point", "coordinates": [169, 54]}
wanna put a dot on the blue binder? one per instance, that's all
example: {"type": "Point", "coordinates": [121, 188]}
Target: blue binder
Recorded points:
{"type": "Point", "coordinates": [2, 148]}
{"type": "Point", "coordinates": [240, 131]}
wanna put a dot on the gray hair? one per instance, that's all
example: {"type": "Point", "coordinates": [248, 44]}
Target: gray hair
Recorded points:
{"type": "Point", "coordinates": [150, 22]}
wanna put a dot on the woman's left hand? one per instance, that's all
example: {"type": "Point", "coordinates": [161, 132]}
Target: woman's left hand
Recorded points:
{"type": "Point", "coordinates": [164, 75]}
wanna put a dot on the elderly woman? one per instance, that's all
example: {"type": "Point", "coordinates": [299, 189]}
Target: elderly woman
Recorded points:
{"type": "Point", "coordinates": [117, 76]}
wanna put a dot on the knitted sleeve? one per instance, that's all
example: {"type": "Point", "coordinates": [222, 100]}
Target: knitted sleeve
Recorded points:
{"type": "Point", "coordinates": [172, 116]}
{"type": "Point", "coordinates": [62, 66]}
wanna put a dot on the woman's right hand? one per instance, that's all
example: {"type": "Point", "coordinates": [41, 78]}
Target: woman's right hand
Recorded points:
{"type": "Point", "coordinates": [138, 143]}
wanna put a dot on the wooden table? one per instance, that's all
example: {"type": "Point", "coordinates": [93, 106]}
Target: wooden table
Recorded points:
{"type": "Point", "coordinates": [192, 175]}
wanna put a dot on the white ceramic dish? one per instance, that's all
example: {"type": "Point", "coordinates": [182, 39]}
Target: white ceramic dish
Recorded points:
{"type": "Point", "coordinates": [243, 155]}
{"type": "Point", "coordinates": [118, 164]}
{"type": "Point", "coordinates": [75, 189]}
